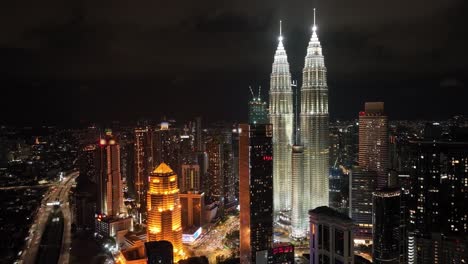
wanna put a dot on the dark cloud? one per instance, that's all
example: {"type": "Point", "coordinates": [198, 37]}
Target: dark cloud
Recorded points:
{"type": "Point", "coordinates": [211, 50]}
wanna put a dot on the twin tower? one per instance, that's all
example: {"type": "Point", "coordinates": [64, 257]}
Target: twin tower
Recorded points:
{"type": "Point", "coordinates": [300, 167]}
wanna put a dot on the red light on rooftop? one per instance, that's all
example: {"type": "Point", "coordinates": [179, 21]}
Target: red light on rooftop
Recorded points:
{"type": "Point", "coordinates": [362, 113]}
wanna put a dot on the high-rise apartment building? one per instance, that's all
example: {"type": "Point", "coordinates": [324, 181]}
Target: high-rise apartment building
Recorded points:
{"type": "Point", "coordinates": [282, 118]}
{"type": "Point", "coordinates": [164, 209]}
{"type": "Point", "coordinates": [214, 149]}
{"type": "Point", "coordinates": [255, 190]}
{"type": "Point", "coordinates": [331, 237]}
{"type": "Point", "coordinates": [373, 141]}
{"type": "Point", "coordinates": [438, 224]}
{"type": "Point", "coordinates": [314, 125]}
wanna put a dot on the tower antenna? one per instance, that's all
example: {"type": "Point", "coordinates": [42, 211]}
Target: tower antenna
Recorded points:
{"type": "Point", "coordinates": [259, 91]}
{"type": "Point", "coordinates": [280, 26]}
{"type": "Point", "coordinates": [314, 16]}
{"type": "Point", "coordinates": [253, 95]}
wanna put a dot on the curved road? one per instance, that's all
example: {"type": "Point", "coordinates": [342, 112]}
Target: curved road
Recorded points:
{"type": "Point", "coordinates": [58, 193]}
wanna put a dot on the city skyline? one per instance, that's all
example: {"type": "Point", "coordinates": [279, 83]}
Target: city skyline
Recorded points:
{"type": "Point", "coordinates": [374, 53]}
{"type": "Point", "coordinates": [130, 132]}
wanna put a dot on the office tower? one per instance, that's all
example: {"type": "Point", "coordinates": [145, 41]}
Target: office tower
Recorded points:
{"type": "Point", "coordinates": [215, 170]}
{"type": "Point", "coordinates": [202, 161]}
{"type": "Point", "coordinates": [142, 155]}
{"type": "Point", "coordinates": [281, 117]}
{"type": "Point", "coordinates": [190, 178]}
{"type": "Point", "coordinates": [373, 141]}
{"type": "Point", "coordinates": [110, 193]}
{"type": "Point", "coordinates": [164, 210]}
{"type": "Point", "coordinates": [258, 113]}
{"type": "Point", "coordinates": [159, 252]}
{"type": "Point", "coordinates": [331, 237]}
{"type": "Point", "coordinates": [166, 147]}
{"type": "Point", "coordinates": [85, 194]}
{"type": "Point", "coordinates": [386, 226]}
{"type": "Point", "coordinates": [299, 222]}
{"type": "Point", "coordinates": [438, 212]}
{"type": "Point", "coordinates": [192, 206]}
{"type": "Point", "coordinates": [362, 184]}
{"type": "Point", "coordinates": [314, 124]}
{"type": "Point", "coordinates": [255, 190]}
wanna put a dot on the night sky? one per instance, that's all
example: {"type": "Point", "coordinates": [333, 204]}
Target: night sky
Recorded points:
{"type": "Point", "coordinates": [71, 62]}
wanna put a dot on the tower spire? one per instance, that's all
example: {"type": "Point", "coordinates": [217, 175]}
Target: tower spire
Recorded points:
{"type": "Point", "coordinates": [280, 31]}
{"type": "Point", "coordinates": [259, 91]}
{"type": "Point", "coordinates": [314, 27]}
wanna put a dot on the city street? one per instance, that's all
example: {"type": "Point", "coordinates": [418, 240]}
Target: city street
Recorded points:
{"type": "Point", "coordinates": [59, 192]}
{"type": "Point", "coordinates": [211, 243]}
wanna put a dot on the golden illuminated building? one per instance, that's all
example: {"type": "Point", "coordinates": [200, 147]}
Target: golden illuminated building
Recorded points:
{"type": "Point", "coordinates": [164, 210]}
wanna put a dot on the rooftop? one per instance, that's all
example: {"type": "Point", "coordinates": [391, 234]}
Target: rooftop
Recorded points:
{"type": "Point", "coordinates": [327, 211]}
{"type": "Point", "coordinates": [163, 168]}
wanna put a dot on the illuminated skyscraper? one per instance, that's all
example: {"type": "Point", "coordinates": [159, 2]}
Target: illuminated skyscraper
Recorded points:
{"type": "Point", "coordinates": [258, 113]}
{"type": "Point", "coordinates": [110, 193]}
{"type": "Point", "coordinates": [373, 141]}
{"type": "Point", "coordinates": [299, 212]}
{"type": "Point", "coordinates": [142, 145]}
{"type": "Point", "coordinates": [190, 178]}
{"type": "Point", "coordinates": [281, 117]}
{"type": "Point", "coordinates": [215, 170]}
{"type": "Point", "coordinates": [164, 210]}
{"type": "Point", "coordinates": [314, 125]}
{"type": "Point", "coordinates": [255, 190]}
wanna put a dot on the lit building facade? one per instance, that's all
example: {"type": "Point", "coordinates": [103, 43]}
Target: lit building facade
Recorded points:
{"type": "Point", "coordinates": [299, 221]}
{"type": "Point", "coordinates": [258, 113]}
{"type": "Point", "coordinates": [314, 125]}
{"type": "Point", "coordinates": [255, 190]}
{"type": "Point", "coordinates": [164, 209]}
{"type": "Point", "coordinates": [110, 191]}
{"type": "Point", "coordinates": [190, 178]}
{"type": "Point", "coordinates": [331, 237]}
{"type": "Point", "coordinates": [386, 226]}
{"type": "Point", "coordinates": [281, 117]}
{"type": "Point", "coordinates": [193, 207]}
{"type": "Point", "coordinates": [215, 169]}
{"type": "Point", "coordinates": [373, 141]}
{"type": "Point", "coordinates": [362, 183]}
{"type": "Point", "coordinates": [142, 155]}
{"type": "Point", "coordinates": [438, 225]}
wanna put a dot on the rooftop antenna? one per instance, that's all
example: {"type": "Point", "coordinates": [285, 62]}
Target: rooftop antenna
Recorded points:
{"type": "Point", "coordinates": [250, 87]}
{"type": "Point", "coordinates": [259, 91]}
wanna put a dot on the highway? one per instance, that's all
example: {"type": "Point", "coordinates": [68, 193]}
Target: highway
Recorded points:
{"type": "Point", "coordinates": [58, 192]}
